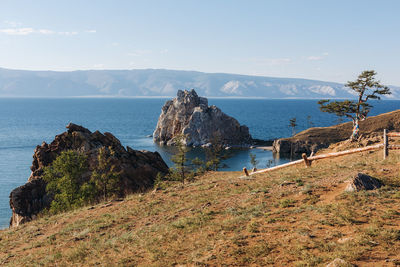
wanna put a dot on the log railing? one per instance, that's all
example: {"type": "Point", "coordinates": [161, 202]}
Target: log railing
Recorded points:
{"type": "Point", "coordinates": [386, 145]}
{"type": "Point", "coordinates": [308, 160]}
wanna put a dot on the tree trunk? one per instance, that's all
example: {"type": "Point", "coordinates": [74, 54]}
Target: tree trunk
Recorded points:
{"type": "Point", "coordinates": [356, 130]}
{"type": "Point", "coordinates": [105, 192]}
{"type": "Point", "coordinates": [183, 168]}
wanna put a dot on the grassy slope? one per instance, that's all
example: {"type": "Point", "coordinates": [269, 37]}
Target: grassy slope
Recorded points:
{"type": "Point", "coordinates": [295, 217]}
{"type": "Point", "coordinates": [340, 132]}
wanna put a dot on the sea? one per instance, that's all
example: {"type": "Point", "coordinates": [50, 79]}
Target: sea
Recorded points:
{"type": "Point", "coordinates": [27, 122]}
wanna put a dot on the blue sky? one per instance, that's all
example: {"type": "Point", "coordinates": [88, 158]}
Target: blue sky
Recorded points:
{"type": "Point", "coordinates": [330, 40]}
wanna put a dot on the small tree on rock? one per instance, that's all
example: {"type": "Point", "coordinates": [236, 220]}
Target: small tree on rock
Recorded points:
{"type": "Point", "coordinates": [65, 181]}
{"type": "Point", "coordinates": [366, 87]}
{"type": "Point", "coordinates": [105, 177]}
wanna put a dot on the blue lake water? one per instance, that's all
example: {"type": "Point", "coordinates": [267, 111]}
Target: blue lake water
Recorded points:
{"type": "Point", "coordinates": [25, 123]}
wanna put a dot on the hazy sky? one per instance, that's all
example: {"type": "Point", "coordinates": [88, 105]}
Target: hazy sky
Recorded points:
{"type": "Point", "coordinates": [328, 40]}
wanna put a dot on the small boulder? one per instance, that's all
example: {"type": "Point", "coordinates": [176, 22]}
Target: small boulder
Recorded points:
{"type": "Point", "coordinates": [362, 181]}
{"type": "Point", "coordinates": [344, 240]}
{"type": "Point", "coordinates": [339, 263]}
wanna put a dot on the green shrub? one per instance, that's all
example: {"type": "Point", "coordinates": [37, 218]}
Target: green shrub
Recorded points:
{"type": "Point", "coordinates": [181, 169]}
{"type": "Point", "coordinates": [286, 203]}
{"type": "Point", "coordinates": [253, 160]}
{"type": "Point", "coordinates": [71, 185]}
{"type": "Point", "coordinates": [64, 179]}
{"type": "Point", "coordinates": [105, 178]}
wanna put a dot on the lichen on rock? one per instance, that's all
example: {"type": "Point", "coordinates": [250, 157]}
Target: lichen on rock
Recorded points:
{"type": "Point", "coordinates": [189, 115]}
{"type": "Point", "coordinates": [362, 181]}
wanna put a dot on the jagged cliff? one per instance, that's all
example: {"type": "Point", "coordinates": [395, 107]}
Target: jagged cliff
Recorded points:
{"type": "Point", "coordinates": [190, 115]}
{"type": "Point", "coordinates": [138, 168]}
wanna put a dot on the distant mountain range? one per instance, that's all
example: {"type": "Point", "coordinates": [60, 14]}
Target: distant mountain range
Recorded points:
{"type": "Point", "coordinates": [160, 82]}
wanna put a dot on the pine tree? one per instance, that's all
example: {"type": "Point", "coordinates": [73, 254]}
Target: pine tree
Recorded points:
{"type": "Point", "coordinates": [253, 160]}
{"type": "Point", "coordinates": [180, 160]}
{"type": "Point", "coordinates": [105, 177]}
{"type": "Point", "coordinates": [197, 166]}
{"type": "Point", "coordinates": [215, 153]}
{"type": "Point", "coordinates": [64, 179]}
{"type": "Point", "coordinates": [366, 87]}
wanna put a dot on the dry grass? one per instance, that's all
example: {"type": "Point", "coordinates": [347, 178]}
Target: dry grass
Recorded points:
{"type": "Point", "coordinates": [293, 217]}
{"type": "Point", "coordinates": [371, 127]}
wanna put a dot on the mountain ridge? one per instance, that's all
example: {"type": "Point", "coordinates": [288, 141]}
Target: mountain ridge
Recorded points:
{"type": "Point", "coordinates": [163, 83]}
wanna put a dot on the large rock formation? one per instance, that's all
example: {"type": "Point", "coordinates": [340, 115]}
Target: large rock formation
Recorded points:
{"type": "Point", "coordinates": [190, 115]}
{"type": "Point", "coordinates": [138, 168]}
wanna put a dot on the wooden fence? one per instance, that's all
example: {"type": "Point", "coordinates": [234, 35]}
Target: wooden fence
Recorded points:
{"type": "Point", "coordinates": [308, 160]}
{"type": "Point", "coordinates": [386, 145]}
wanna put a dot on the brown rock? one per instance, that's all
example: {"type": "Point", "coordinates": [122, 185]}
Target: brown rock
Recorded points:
{"type": "Point", "coordinates": [362, 182]}
{"type": "Point", "coordinates": [138, 168]}
{"type": "Point", "coordinates": [288, 146]}
{"type": "Point", "coordinates": [339, 263]}
{"type": "Point", "coordinates": [190, 115]}
{"type": "Point", "coordinates": [345, 240]}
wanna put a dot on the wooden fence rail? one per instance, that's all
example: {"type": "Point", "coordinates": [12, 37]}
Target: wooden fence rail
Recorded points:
{"type": "Point", "coordinates": [386, 145]}
{"type": "Point", "coordinates": [308, 160]}
{"type": "Point", "coordinates": [393, 134]}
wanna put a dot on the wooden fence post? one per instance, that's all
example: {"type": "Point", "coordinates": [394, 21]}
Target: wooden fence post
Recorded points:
{"type": "Point", "coordinates": [385, 144]}
{"type": "Point", "coordinates": [245, 171]}
{"type": "Point", "coordinates": [306, 161]}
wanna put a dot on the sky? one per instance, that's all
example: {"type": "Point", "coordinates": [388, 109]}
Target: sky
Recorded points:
{"type": "Point", "coordinates": [330, 40]}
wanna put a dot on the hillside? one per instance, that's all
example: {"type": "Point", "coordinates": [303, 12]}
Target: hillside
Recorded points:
{"type": "Point", "coordinates": [294, 217]}
{"type": "Point", "coordinates": [321, 137]}
{"type": "Point", "coordinates": [160, 82]}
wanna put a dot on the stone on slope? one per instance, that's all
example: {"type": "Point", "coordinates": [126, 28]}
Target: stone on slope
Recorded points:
{"type": "Point", "coordinates": [138, 168]}
{"type": "Point", "coordinates": [362, 181]}
{"type": "Point", "coordinates": [189, 115]}
{"type": "Point", "coordinates": [339, 263]}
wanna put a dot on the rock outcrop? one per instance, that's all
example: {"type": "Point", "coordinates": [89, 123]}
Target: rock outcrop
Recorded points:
{"type": "Point", "coordinates": [138, 168]}
{"type": "Point", "coordinates": [362, 182]}
{"type": "Point", "coordinates": [190, 115]}
{"type": "Point", "coordinates": [287, 146]}
{"type": "Point", "coordinates": [317, 138]}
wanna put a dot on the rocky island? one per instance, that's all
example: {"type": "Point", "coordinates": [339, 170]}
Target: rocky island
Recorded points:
{"type": "Point", "coordinates": [138, 168]}
{"type": "Point", "coordinates": [189, 115]}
